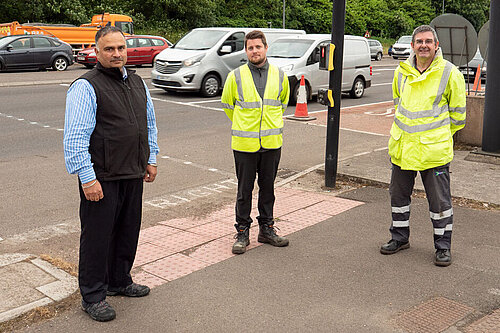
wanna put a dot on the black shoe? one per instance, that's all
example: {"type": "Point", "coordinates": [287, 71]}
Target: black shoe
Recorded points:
{"type": "Point", "coordinates": [443, 257]}
{"type": "Point", "coordinates": [100, 311]}
{"type": "Point", "coordinates": [393, 246]}
{"type": "Point", "coordinates": [267, 234]}
{"type": "Point", "coordinates": [132, 290]}
{"type": "Point", "coordinates": [242, 239]}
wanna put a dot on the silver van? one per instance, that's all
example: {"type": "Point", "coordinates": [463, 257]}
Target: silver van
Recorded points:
{"type": "Point", "coordinates": [299, 55]}
{"type": "Point", "coordinates": [202, 59]}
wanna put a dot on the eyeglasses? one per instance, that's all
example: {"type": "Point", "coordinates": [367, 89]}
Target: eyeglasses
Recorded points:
{"type": "Point", "coordinates": [421, 41]}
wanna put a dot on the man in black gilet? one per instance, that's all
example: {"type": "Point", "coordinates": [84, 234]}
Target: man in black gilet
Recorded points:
{"type": "Point", "coordinates": [110, 142]}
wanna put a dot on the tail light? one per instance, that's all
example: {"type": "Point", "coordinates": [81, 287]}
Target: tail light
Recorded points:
{"type": "Point", "coordinates": [371, 70]}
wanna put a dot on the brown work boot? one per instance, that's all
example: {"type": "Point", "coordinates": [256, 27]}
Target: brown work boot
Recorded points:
{"type": "Point", "coordinates": [242, 239]}
{"type": "Point", "coordinates": [267, 234]}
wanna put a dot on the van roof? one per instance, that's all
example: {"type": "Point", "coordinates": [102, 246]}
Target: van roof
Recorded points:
{"type": "Point", "coordinates": [320, 36]}
{"type": "Point", "coordinates": [250, 29]}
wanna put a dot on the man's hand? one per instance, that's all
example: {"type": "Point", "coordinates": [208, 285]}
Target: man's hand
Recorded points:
{"type": "Point", "coordinates": [93, 190]}
{"type": "Point", "coordinates": [151, 171]}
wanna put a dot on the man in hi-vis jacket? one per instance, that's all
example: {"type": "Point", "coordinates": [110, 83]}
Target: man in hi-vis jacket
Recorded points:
{"type": "Point", "coordinates": [254, 98]}
{"type": "Point", "coordinates": [429, 96]}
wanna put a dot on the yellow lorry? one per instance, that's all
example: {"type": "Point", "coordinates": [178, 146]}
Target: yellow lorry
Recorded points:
{"type": "Point", "coordinates": [78, 37]}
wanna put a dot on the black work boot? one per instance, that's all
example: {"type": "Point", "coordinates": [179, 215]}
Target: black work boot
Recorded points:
{"type": "Point", "coordinates": [394, 246]}
{"type": "Point", "coordinates": [267, 234]}
{"type": "Point", "coordinates": [443, 257]}
{"type": "Point", "coordinates": [100, 311]}
{"type": "Point", "coordinates": [242, 239]}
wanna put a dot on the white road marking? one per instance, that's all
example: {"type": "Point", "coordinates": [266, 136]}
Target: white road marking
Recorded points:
{"type": "Point", "coordinates": [65, 84]}
{"type": "Point", "coordinates": [205, 101]}
{"type": "Point", "coordinates": [31, 122]}
{"type": "Point", "coordinates": [186, 104]}
{"type": "Point", "coordinates": [1, 239]}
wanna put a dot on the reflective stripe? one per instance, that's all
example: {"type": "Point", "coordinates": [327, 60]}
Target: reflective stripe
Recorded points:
{"type": "Point", "coordinates": [442, 215]}
{"type": "Point", "coordinates": [396, 101]}
{"type": "Point", "coordinates": [248, 105]}
{"type": "Point", "coordinates": [401, 224]}
{"type": "Point", "coordinates": [400, 77]}
{"type": "Point", "coordinates": [273, 131]}
{"type": "Point", "coordinates": [443, 83]}
{"type": "Point", "coordinates": [458, 122]}
{"type": "Point", "coordinates": [272, 102]}
{"type": "Point", "coordinates": [228, 106]}
{"type": "Point", "coordinates": [441, 231]}
{"type": "Point", "coordinates": [435, 112]}
{"type": "Point", "coordinates": [458, 109]}
{"type": "Point", "coordinates": [423, 127]}
{"type": "Point", "coordinates": [401, 210]}
{"type": "Point", "coordinates": [281, 78]}
{"type": "Point", "coordinates": [237, 77]}
{"type": "Point", "coordinates": [284, 106]}
{"type": "Point", "coordinates": [245, 134]}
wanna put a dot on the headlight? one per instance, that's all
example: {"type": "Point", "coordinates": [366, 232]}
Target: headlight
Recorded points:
{"type": "Point", "coordinates": [92, 54]}
{"type": "Point", "coordinates": [287, 68]}
{"type": "Point", "coordinates": [193, 60]}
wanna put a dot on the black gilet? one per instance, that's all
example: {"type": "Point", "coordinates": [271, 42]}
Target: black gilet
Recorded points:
{"type": "Point", "coordinates": [119, 146]}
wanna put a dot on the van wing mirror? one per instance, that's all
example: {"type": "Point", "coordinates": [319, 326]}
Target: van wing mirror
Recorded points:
{"type": "Point", "coordinates": [226, 49]}
{"type": "Point", "coordinates": [9, 48]}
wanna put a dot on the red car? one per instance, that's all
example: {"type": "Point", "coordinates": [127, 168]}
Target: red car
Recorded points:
{"type": "Point", "coordinates": [140, 50]}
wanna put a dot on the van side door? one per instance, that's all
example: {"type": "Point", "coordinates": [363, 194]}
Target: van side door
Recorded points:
{"type": "Point", "coordinates": [232, 53]}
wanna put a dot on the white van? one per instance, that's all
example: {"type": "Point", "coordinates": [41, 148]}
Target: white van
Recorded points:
{"type": "Point", "coordinates": [299, 55]}
{"type": "Point", "coordinates": [202, 59]}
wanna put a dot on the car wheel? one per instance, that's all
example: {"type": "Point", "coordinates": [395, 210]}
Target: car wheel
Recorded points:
{"type": "Point", "coordinates": [295, 94]}
{"type": "Point", "coordinates": [89, 66]}
{"type": "Point", "coordinates": [379, 56]}
{"type": "Point", "coordinates": [60, 64]}
{"type": "Point", "coordinates": [358, 88]}
{"type": "Point", "coordinates": [210, 86]}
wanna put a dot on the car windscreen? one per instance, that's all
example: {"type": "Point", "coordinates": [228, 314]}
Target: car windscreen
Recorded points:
{"type": "Point", "coordinates": [404, 40]}
{"type": "Point", "coordinates": [288, 48]}
{"type": "Point", "coordinates": [7, 40]}
{"type": "Point", "coordinates": [200, 39]}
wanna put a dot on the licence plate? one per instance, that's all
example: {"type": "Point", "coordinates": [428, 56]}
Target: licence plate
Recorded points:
{"type": "Point", "coordinates": [81, 58]}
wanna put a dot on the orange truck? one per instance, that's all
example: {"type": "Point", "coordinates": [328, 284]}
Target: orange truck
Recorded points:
{"type": "Point", "coordinates": [78, 37]}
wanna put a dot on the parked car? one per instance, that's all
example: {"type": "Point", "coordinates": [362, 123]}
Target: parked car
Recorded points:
{"type": "Point", "coordinates": [401, 49]}
{"type": "Point", "coordinates": [34, 51]}
{"type": "Point", "coordinates": [299, 55]}
{"type": "Point", "coordinates": [201, 60]}
{"type": "Point", "coordinates": [469, 70]}
{"type": "Point", "coordinates": [376, 49]}
{"type": "Point", "coordinates": [140, 50]}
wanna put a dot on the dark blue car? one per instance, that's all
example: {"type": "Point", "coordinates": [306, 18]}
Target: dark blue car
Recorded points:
{"type": "Point", "coordinates": [34, 51]}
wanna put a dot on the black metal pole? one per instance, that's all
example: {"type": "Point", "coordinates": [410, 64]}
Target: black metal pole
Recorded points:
{"type": "Point", "coordinates": [335, 85]}
{"type": "Point", "coordinates": [491, 118]}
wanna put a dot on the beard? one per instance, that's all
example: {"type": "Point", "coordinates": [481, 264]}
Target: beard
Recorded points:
{"type": "Point", "coordinates": [258, 62]}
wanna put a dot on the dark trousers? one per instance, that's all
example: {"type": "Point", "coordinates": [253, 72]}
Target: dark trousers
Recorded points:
{"type": "Point", "coordinates": [437, 188]}
{"type": "Point", "coordinates": [248, 165]}
{"type": "Point", "coordinates": [109, 236]}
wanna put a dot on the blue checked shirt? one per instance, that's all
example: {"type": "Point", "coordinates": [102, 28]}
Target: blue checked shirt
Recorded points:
{"type": "Point", "coordinates": [79, 123]}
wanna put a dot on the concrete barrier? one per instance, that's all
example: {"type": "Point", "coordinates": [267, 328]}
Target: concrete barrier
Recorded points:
{"type": "Point", "coordinates": [472, 133]}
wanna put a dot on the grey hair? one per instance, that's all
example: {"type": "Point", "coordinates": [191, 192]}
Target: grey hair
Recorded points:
{"type": "Point", "coordinates": [106, 30]}
{"type": "Point", "coordinates": [424, 28]}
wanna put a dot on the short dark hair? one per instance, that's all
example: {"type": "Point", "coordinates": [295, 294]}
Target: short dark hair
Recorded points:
{"type": "Point", "coordinates": [106, 30]}
{"type": "Point", "coordinates": [256, 34]}
{"type": "Point", "coordinates": [424, 28]}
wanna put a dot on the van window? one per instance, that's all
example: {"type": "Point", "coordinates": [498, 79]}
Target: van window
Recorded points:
{"type": "Point", "coordinates": [236, 41]}
{"type": "Point", "coordinates": [200, 39]}
{"type": "Point", "coordinates": [288, 48]}
{"type": "Point", "coordinates": [355, 47]}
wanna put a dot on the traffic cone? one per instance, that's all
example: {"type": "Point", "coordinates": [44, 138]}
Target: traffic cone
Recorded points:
{"type": "Point", "coordinates": [476, 87]}
{"type": "Point", "coordinates": [301, 106]}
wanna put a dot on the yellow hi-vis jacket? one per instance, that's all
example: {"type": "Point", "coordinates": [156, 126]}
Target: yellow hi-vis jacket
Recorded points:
{"type": "Point", "coordinates": [256, 122]}
{"type": "Point", "coordinates": [430, 108]}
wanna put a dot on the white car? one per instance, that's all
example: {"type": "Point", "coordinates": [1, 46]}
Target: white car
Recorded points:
{"type": "Point", "coordinates": [401, 49]}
